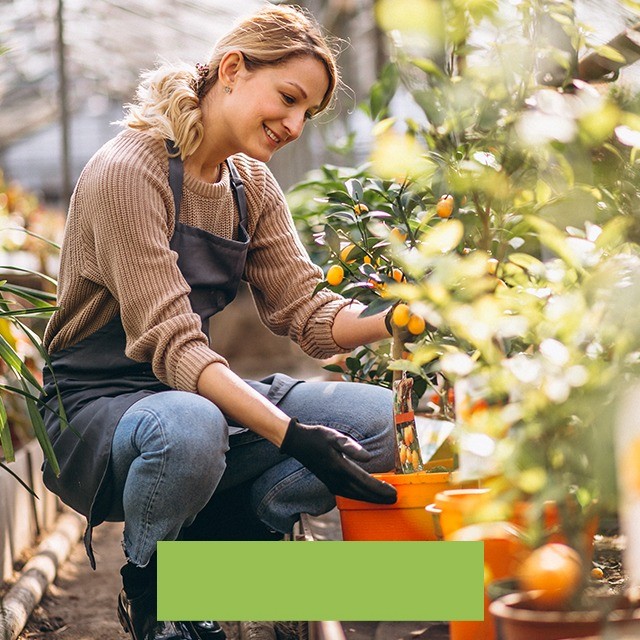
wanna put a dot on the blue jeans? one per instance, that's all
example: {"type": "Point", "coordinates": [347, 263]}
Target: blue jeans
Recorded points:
{"type": "Point", "coordinates": [171, 451]}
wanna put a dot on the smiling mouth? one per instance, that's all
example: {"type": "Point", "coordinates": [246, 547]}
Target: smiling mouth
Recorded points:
{"type": "Point", "coordinates": [271, 135]}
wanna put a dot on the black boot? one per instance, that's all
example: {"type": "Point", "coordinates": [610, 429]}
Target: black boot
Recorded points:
{"type": "Point", "coordinates": [138, 617]}
{"type": "Point", "coordinates": [137, 606]}
{"type": "Point", "coordinates": [208, 630]}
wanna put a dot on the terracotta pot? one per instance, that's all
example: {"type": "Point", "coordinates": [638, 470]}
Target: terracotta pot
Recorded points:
{"type": "Point", "coordinates": [502, 587]}
{"type": "Point", "coordinates": [516, 619]}
{"type": "Point", "coordinates": [404, 520]}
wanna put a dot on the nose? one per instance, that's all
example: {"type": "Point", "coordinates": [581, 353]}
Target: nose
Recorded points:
{"type": "Point", "coordinates": [294, 124]}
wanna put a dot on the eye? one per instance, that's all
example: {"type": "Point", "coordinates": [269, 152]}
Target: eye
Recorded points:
{"type": "Point", "coordinates": [288, 99]}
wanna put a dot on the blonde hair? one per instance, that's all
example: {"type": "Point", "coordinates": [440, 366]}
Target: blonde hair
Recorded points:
{"type": "Point", "coordinates": [168, 97]}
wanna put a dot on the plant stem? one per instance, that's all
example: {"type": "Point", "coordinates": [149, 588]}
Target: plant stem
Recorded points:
{"type": "Point", "coordinates": [403, 214]}
{"type": "Point", "coordinates": [397, 348]}
{"type": "Point", "coordinates": [485, 217]}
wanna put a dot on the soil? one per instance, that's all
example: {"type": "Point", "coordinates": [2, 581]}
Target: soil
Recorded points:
{"type": "Point", "coordinates": [607, 556]}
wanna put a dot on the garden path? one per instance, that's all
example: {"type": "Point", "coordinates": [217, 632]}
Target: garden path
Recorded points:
{"type": "Point", "coordinates": [80, 605]}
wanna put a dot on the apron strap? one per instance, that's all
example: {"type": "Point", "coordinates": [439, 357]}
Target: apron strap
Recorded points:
{"type": "Point", "coordinates": [238, 192]}
{"type": "Point", "coordinates": [176, 176]}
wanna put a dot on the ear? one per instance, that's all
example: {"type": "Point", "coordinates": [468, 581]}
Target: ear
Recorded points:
{"type": "Point", "coordinates": [231, 66]}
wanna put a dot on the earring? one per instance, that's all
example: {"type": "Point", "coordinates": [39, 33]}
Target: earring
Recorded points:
{"type": "Point", "coordinates": [227, 89]}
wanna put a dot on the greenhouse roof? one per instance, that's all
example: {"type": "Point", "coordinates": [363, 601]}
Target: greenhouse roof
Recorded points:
{"type": "Point", "coordinates": [108, 42]}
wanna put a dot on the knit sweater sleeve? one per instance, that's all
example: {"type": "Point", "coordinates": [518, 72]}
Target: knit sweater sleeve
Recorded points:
{"type": "Point", "coordinates": [128, 222]}
{"type": "Point", "coordinates": [282, 279]}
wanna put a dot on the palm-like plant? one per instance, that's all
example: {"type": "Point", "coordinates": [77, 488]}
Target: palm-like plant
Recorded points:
{"type": "Point", "coordinates": [27, 297]}
{"type": "Point", "coordinates": [18, 304]}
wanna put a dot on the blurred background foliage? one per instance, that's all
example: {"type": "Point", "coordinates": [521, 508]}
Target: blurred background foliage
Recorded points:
{"type": "Point", "coordinates": [499, 207]}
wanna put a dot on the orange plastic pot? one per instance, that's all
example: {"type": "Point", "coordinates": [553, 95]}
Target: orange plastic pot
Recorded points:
{"type": "Point", "coordinates": [435, 513]}
{"type": "Point", "coordinates": [457, 507]}
{"type": "Point", "coordinates": [404, 520]}
{"type": "Point", "coordinates": [503, 552]}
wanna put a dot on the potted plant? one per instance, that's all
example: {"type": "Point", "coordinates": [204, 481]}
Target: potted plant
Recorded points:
{"type": "Point", "coordinates": [516, 192]}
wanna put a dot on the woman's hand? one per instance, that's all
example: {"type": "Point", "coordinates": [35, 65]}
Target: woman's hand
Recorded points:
{"type": "Point", "coordinates": [330, 456]}
{"type": "Point", "coordinates": [327, 453]}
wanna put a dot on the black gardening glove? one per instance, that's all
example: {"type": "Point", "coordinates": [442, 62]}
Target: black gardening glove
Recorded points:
{"type": "Point", "coordinates": [329, 455]}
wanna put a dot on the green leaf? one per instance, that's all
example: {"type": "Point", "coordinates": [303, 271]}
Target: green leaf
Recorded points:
{"type": "Point", "coordinates": [332, 239]}
{"type": "Point", "coordinates": [5, 434]}
{"type": "Point", "coordinates": [376, 215]}
{"type": "Point", "coordinates": [610, 53]}
{"type": "Point", "coordinates": [48, 241]}
{"type": "Point", "coordinates": [428, 66]}
{"type": "Point", "coordinates": [18, 478]}
{"type": "Point", "coordinates": [405, 365]}
{"type": "Point", "coordinates": [561, 18]}
{"type": "Point", "coordinates": [554, 239]}
{"type": "Point", "coordinates": [15, 363]}
{"type": "Point", "coordinates": [354, 189]}
{"type": "Point", "coordinates": [378, 101]}
{"type": "Point", "coordinates": [33, 338]}
{"type": "Point", "coordinates": [35, 297]}
{"type": "Point", "coordinates": [376, 306]}
{"type": "Point", "coordinates": [442, 238]}
{"type": "Point", "coordinates": [613, 233]}
{"type": "Point", "coordinates": [42, 436]}
{"type": "Point", "coordinates": [33, 313]}
{"type": "Point", "coordinates": [383, 91]}
{"type": "Point", "coordinates": [528, 263]}
{"type": "Point", "coordinates": [368, 270]}
{"type": "Point", "coordinates": [8, 267]}
{"type": "Point", "coordinates": [345, 216]}
{"type": "Point", "coordinates": [334, 368]}
{"type": "Point", "coordinates": [352, 363]}
{"type": "Point", "coordinates": [340, 197]}
{"type": "Point", "coordinates": [420, 385]}
{"type": "Point", "coordinates": [383, 126]}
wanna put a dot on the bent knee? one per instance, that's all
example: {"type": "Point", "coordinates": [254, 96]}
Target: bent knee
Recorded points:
{"type": "Point", "coordinates": [188, 425]}
{"type": "Point", "coordinates": [373, 409]}
{"type": "Point", "coordinates": [200, 425]}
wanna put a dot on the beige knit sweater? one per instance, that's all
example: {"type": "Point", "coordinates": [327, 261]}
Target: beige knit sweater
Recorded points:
{"type": "Point", "coordinates": [116, 260]}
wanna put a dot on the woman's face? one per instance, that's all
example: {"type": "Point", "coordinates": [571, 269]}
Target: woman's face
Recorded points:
{"type": "Point", "coordinates": [267, 108]}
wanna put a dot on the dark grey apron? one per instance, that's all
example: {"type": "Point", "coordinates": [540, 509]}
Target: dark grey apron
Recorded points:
{"type": "Point", "coordinates": [98, 382]}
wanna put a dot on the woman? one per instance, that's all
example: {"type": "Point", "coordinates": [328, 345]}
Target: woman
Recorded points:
{"type": "Point", "coordinates": [164, 222]}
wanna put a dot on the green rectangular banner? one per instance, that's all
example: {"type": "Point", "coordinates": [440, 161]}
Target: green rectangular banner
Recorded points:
{"type": "Point", "coordinates": [333, 580]}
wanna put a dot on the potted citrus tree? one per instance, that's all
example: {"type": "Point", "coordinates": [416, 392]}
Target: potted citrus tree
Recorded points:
{"type": "Point", "coordinates": [506, 197]}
